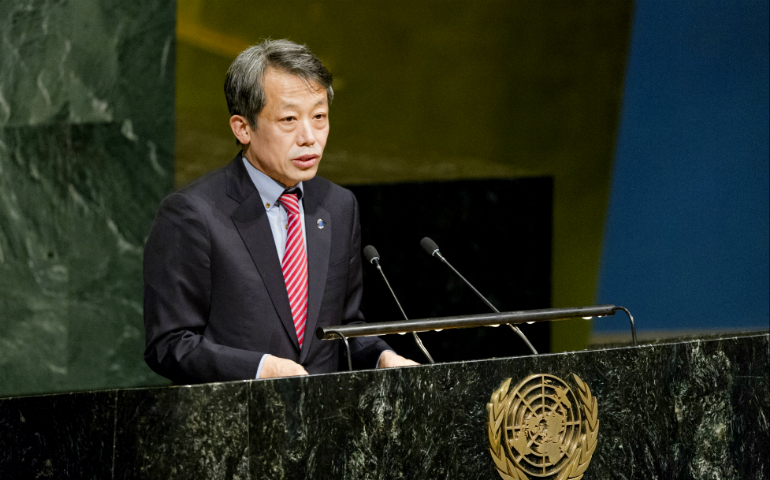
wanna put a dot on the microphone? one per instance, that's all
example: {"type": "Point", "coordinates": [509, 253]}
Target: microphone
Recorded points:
{"type": "Point", "coordinates": [430, 246]}
{"type": "Point", "coordinates": [374, 258]}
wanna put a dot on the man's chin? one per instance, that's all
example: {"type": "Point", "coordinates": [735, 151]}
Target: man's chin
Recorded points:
{"type": "Point", "coordinates": [301, 176]}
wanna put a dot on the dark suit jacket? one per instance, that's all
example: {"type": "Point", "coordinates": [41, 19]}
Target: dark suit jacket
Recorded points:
{"type": "Point", "coordinates": [214, 296]}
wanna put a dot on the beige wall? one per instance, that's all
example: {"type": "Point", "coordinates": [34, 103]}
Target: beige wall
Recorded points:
{"type": "Point", "coordinates": [439, 90]}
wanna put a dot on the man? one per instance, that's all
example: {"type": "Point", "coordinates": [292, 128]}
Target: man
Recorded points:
{"type": "Point", "coordinates": [245, 263]}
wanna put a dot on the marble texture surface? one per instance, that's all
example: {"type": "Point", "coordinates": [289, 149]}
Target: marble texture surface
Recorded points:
{"type": "Point", "coordinates": [682, 410]}
{"type": "Point", "coordinates": [183, 433]}
{"type": "Point", "coordinates": [86, 154]}
{"type": "Point", "coordinates": [686, 410]}
{"type": "Point", "coordinates": [57, 436]}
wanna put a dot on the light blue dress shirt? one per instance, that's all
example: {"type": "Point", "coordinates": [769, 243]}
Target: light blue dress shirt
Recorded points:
{"type": "Point", "coordinates": [271, 191]}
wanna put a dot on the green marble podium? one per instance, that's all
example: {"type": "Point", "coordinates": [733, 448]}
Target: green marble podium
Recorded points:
{"type": "Point", "coordinates": [695, 409]}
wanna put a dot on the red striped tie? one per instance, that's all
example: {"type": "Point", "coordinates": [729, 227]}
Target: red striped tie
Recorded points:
{"type": "Point", "coordinates": [294, 265]}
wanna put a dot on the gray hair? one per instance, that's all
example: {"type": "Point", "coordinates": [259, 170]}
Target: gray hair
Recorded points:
{"type": "Point", "coordinates": [245, 80]}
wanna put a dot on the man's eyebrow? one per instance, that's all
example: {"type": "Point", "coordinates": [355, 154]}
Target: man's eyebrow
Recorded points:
{"type": "Point", "coordinates": [285, 105]}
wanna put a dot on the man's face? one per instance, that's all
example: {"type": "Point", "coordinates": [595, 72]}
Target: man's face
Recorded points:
{"type": "Point", "coordinates": [291, 129]}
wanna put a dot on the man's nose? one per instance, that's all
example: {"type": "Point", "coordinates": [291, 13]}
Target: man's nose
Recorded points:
{"type": "Point", "coordinates": [306, 135]}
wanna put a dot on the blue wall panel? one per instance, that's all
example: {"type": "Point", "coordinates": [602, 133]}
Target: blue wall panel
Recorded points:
{"type": "Point", "coordinates": [686, 238]}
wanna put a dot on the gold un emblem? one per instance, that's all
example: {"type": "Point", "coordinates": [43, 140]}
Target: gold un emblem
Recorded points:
{"type": "Point", "coordinates": [540, 429]}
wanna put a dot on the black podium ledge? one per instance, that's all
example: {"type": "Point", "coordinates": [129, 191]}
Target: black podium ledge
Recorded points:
{"type": "Point", "coordinates": [697, 409]}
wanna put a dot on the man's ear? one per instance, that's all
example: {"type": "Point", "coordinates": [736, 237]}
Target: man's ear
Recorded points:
{"type": "Point", "coordinates": [241, 129]}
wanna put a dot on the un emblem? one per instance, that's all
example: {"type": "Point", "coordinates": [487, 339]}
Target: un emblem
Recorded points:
{"type": "Point", "coordinates": [541, 429]}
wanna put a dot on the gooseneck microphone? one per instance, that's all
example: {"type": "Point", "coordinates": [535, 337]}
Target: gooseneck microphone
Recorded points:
{"type": "Point", "coordinates": [374, 258]}
{"type": "Point", "coordinates": [430, 246]}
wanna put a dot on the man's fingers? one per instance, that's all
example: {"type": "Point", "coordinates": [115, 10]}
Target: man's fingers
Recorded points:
{"type": "Point", "coordinates": [391, 359]}
{"type": "Point", "coordinates": [275, 367]}
{"type": "Point", "coordinates": [298, 371]}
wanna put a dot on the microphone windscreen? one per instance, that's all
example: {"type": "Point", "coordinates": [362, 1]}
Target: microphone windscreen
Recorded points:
{"type": "Point", "coordinates": [429, 245]}
{"type": "Point", "coordinates": [370, 253]}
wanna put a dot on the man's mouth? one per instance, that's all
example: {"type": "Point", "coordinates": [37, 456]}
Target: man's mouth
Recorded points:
{"type": "Point", "coordinates": [305, 161]}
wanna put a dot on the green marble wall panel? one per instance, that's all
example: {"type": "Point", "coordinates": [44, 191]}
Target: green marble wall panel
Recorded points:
{"type": "Point", "coordinates": [86, 154]}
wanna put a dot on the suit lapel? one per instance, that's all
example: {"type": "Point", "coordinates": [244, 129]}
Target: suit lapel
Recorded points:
{"type": "Point", "coordinates": [251, 221]}
{"type": "Point", "coordinates": [318, 246]}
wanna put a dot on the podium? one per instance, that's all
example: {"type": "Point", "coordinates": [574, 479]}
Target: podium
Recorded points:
{"type": "Point", "coordinates": [689, 409]}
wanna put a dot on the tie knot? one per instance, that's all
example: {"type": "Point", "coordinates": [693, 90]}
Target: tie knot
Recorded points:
{"type": "Point", "coordinates": [290, 203]}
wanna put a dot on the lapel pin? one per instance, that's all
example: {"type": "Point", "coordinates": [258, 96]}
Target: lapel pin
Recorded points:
{"type": "Point", "coordinates": [320, 223]}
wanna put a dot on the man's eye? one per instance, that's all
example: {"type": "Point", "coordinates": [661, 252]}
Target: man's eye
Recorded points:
{"type": "Point", "coordinates": [320, 116]}
{"type": "Point", "coordinates": [287, 119]}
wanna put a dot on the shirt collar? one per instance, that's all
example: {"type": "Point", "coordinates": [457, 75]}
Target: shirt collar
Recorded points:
{"type": "Point", "coordinates": [269, 190]}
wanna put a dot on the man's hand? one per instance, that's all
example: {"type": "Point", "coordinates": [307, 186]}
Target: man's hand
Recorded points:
{"type": "Point", "coordinates": [280, 367]}
{"type": "Point", "coordinates": [391, 359]}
